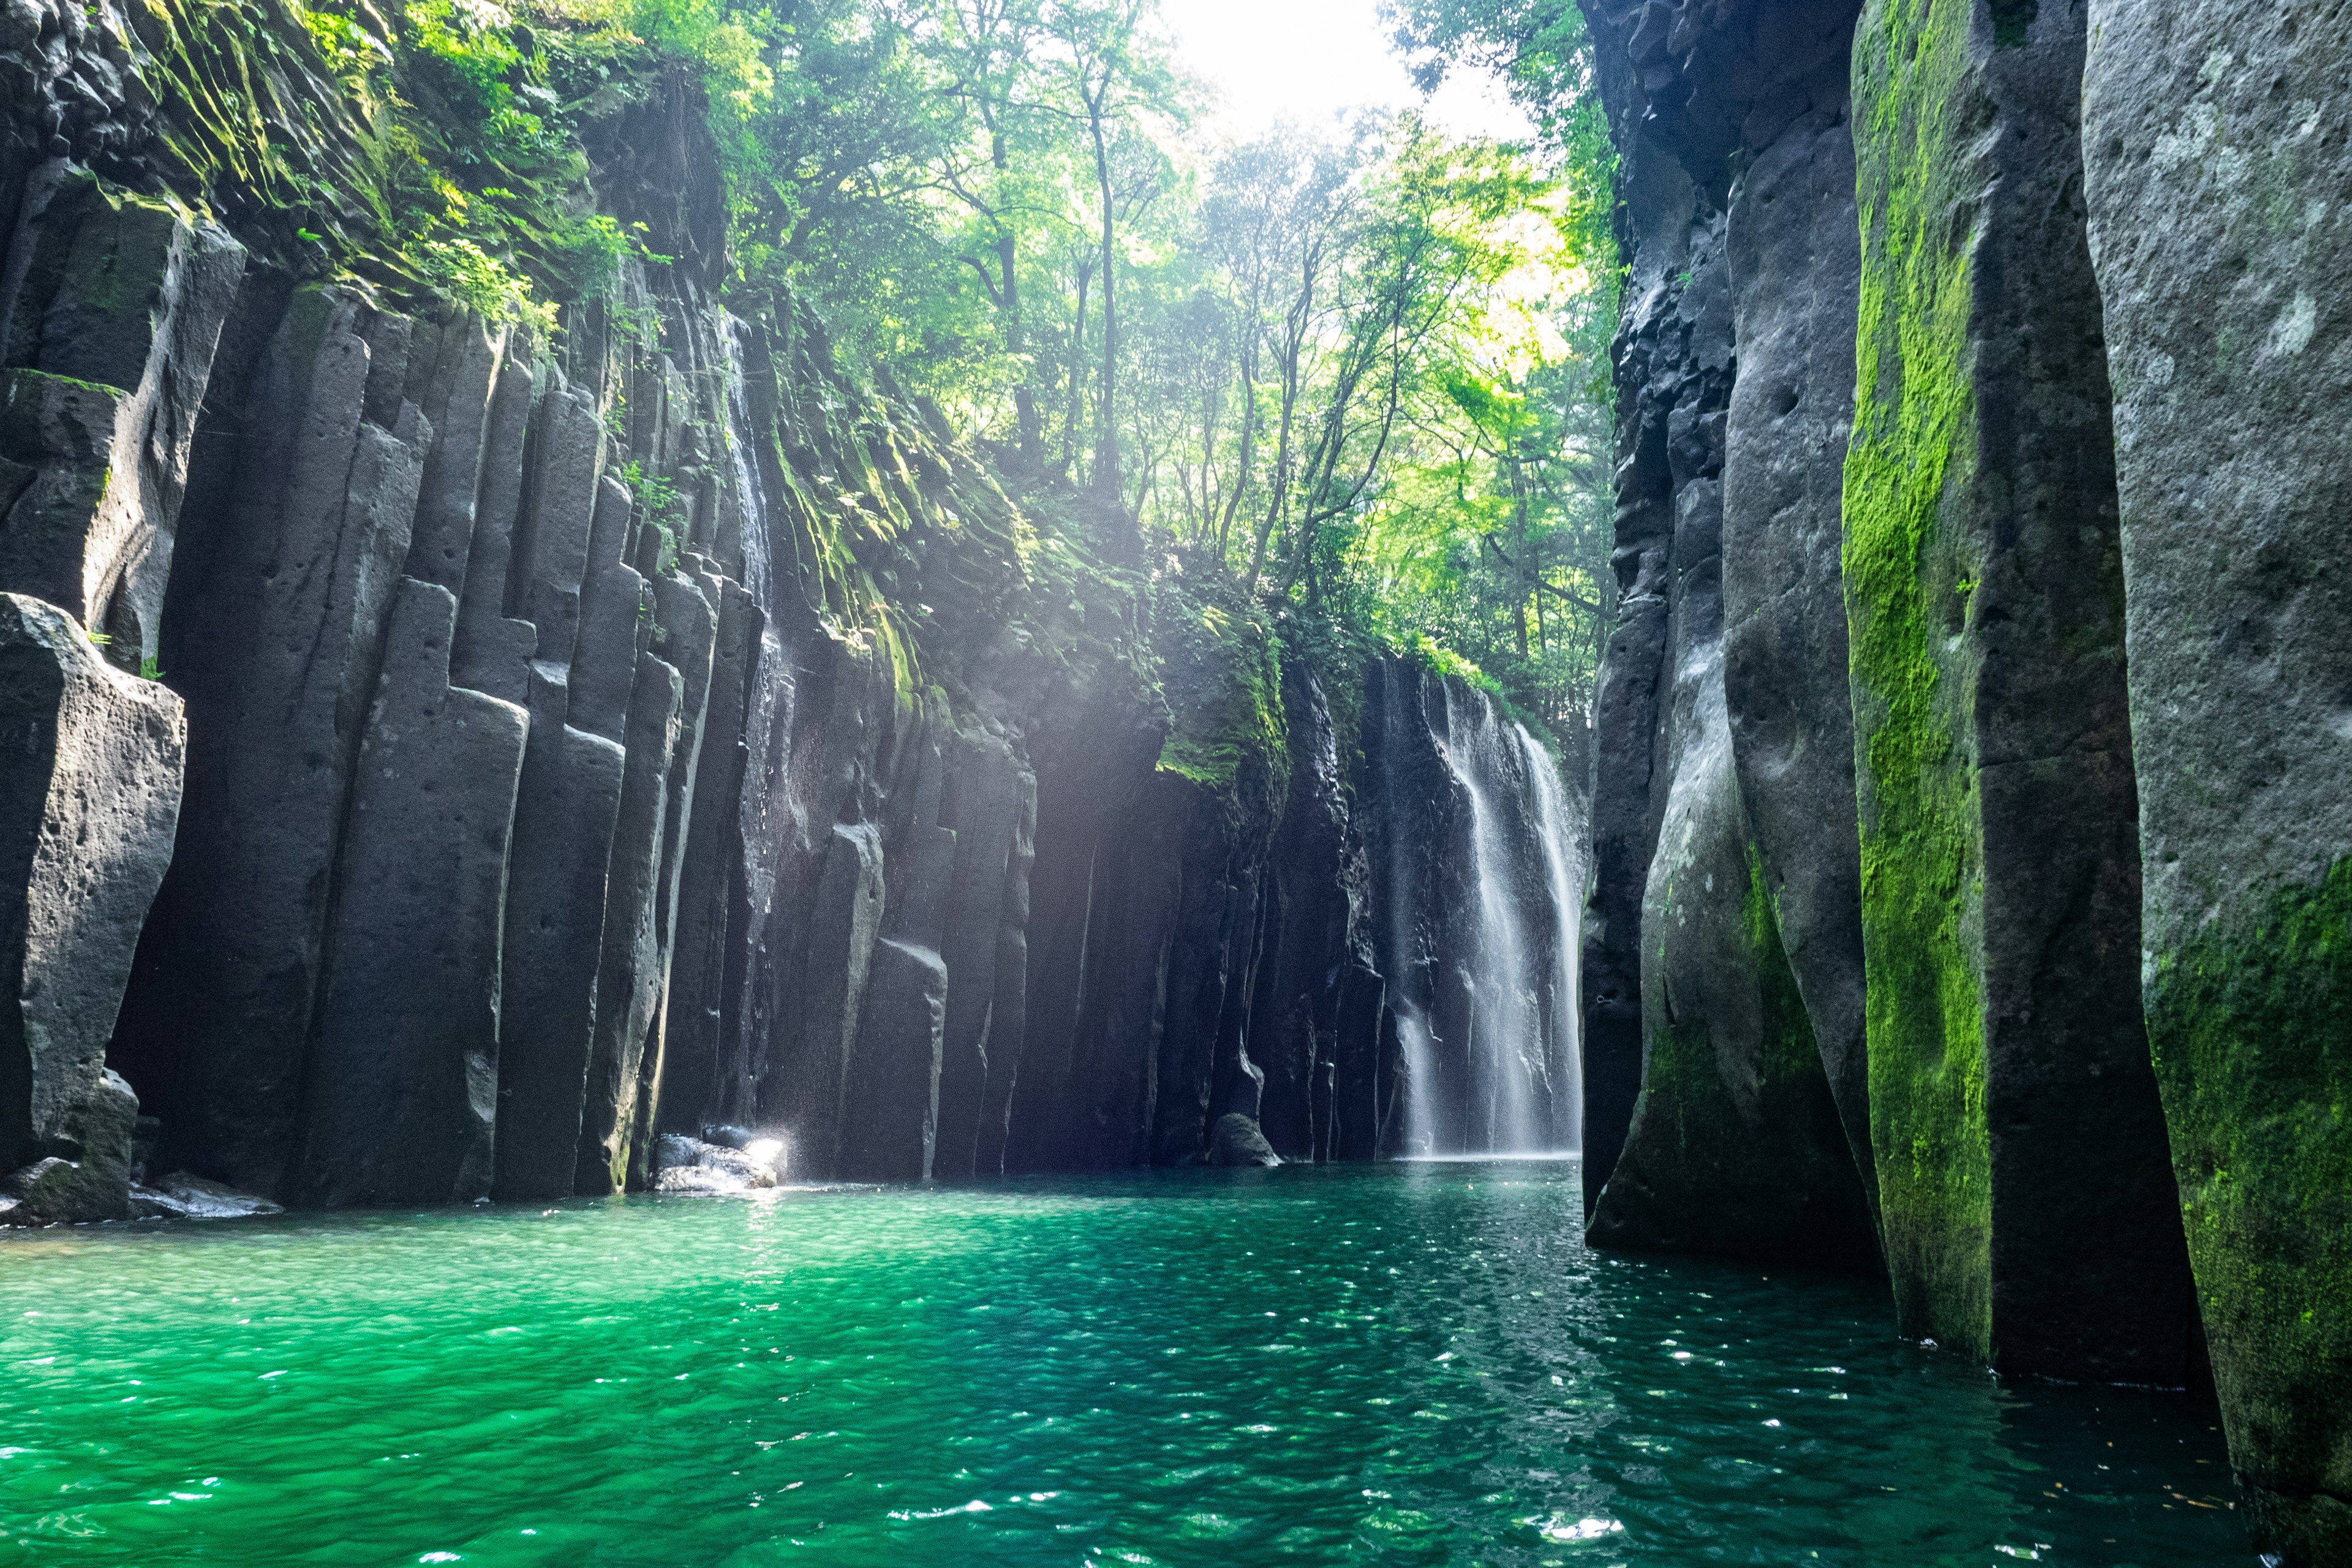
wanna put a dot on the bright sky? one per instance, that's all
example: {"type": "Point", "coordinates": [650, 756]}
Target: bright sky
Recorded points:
{"type": "Point", "coordinates": [1309, 59]}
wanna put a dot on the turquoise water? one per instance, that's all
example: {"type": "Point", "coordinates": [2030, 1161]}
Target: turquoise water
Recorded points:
{"type": "Point", "coordinates": [1401, 1364]}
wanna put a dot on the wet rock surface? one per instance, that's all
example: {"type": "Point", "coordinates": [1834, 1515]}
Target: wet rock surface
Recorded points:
{"type": "Point", "coordinates": [2000, 817]}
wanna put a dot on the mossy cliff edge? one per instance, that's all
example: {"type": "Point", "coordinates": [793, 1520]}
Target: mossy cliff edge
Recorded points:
{"type": "Point", "coordinates": [2077, 625]}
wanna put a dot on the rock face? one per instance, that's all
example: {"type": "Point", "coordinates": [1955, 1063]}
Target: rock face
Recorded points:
{"type": "Point", "coordinates": [110, 309]}
{"type": "Point", "coordinates": [1722, 979]}
{"type": "Point", "coordinates": [2232, 363]}
{"type": "Point", "coordinates": [404, 1073]}
{"type": "Point", "coordinates": [89, 799]}
{"type": "Point", "coordinates": [2000, 844]}
{"type": "Point", "coordinates": [595, 740]}
{"type": "Point", "coordinates": [1793, 256]}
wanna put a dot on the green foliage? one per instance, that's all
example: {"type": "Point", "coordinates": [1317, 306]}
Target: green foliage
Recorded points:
{"type": "Point", "coordinates": [660, 505]}
{"type": "Point", "coordinates": [463, 271]}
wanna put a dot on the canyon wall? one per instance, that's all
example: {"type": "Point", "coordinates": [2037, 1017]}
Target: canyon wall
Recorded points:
{"type": "Point", "coordinates": [2218, 152]}
{"type": "Point", "coordinates": [1987, 356]}
{"type": "Point", "coordinates": [542, 750]}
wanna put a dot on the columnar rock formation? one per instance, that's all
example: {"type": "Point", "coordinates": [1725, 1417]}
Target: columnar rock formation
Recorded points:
{"type": "Point", "coordinates": [1722, 956]}
{"type": "Point", "coordinates": [598, 740]}
{"type": "Point", "coordinates": [2217, 147]}
{"type": "Point", "coordinates": [2059, 601]}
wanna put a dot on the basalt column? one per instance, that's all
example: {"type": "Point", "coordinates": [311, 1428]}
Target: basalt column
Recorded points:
{"type": "Point", "coordinates": [1794, 257]}
{"type": "Point", "coordinates": [280, 620]}
{"type": "Point", "coordinates": [1734, 1147]}
{"type": "Point", "coordinates": [1710, 1123]}
{"type": "Point", "coordinates": [2219, 146]}
{"type": "Point", "coordinates": [2028, 1210]}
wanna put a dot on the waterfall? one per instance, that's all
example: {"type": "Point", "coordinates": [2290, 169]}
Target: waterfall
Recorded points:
{"type": "Point", "coordinates": [766, 723]}
{"type": "Point", "coordinates": [1564, 869]}
{"type": "Point", "coordinates": [1483, 893]}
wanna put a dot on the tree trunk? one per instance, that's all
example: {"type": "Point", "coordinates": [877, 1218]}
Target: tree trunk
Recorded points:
{"type": "Point", "coordinates": [1077, 371]}
{"type": "Point", "coordinates": [1105, 474]}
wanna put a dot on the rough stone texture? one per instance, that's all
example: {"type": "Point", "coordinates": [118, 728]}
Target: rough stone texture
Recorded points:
{"type": "Point", "coordinates": [454, 369]}
{"type": "Point", "coordinates": [1236, 1141]}
{"type": "Point", "coordinates": [628, 979]}
{"type": "Point", "coordinates": [1734, 1148]}
{"type": "Point", "coordinates": [1313, 895]}
{"type": "Point", "coordinates": [2219, 146]}
{"type": "Point", "coordinates": [95, 1183]}
{"type": "Point", "coordinates": [401, 1094]}
{"type": "Point", "coordinates": [1008, 1014]}
{"type": "Point", "coordinates": [613, 612]}
{"type": "Point", "coordinates": [688, 635]}
{"type": "Point", "coordinates": [1794, 259]}
{"type": "Point", "coordinates": [986, 790]}
{"type": "Point", "coordinates": [845, 922]}
{"type": "Point", "coordinates": [89, 795]}
{"type": "Point", "coordinates": [1731, 126]}
{"type": "Point", "coordinates": [565, 810]}
{"type": "Point", "coordinates": [2028, 1210]}
{"type": "Point", "coordinates": [110, 309]}
{"type": "Point", "coordinates": [694, 1041]}
{"type": "Point", "coordinates": [493, 649]}
{"type": "Point", "coordinates": [277, 659]}
{"type": "Point", "coordinates": [1629, 684]}
{"type": "Point", "coordinates": [893, 1087]}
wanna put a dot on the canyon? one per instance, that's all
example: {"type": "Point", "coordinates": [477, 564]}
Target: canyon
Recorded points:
{"type": "Point", "coordinates": [447, 764]}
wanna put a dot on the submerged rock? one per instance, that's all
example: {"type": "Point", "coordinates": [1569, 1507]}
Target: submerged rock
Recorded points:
{"type": "Point", "coordinates": [181, 1195]}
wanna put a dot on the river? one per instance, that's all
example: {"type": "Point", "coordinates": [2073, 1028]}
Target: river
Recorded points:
{"type": "Point", "coordinates": [1405, 1364]}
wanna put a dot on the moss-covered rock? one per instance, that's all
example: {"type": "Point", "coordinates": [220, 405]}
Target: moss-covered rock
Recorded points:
{"type": "Point", "coordinates": [2026, 1206]}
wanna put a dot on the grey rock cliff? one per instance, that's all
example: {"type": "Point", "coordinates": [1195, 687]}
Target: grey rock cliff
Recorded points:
{"type": "Point", "coordinates": [89, 795]}
{"type": "Point", "coordinates": [2217, 146]}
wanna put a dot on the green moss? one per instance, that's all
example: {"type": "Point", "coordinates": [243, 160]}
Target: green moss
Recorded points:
{"type": "Point", "coordinates": [1223, 675]}
{"type": "Point", "coordinates": [1791, 1050]}
{"type": "Point", "coordinates": [1908, 565]}
{"type": "Point", "coordinates": [2251, 1022]}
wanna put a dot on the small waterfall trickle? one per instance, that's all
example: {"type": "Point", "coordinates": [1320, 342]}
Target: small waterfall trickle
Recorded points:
{"type": "Point", "coordinates": [1482, 895]}
{"type": "Point", "coordinates": [766, 721]}
{"type": "Point", "coordinates": [1564, 866]}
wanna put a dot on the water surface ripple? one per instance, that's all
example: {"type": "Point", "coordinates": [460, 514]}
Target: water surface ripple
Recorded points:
{"type": "Point", "coordinates": [1401, 1364]}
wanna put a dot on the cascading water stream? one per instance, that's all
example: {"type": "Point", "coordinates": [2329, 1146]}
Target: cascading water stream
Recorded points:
{"type": "Point", "coordinates": [1505, 1048]}
{"type": "Point", "coordinates": [1565, 874]}
{"type": "Point", "coordinates": [1486, 1021]}
{"type": "Point", "coordinates": [768, 713]}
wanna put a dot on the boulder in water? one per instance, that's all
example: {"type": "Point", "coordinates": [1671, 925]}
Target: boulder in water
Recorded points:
{"type": "Point", "coordinates": [1236, 1141]}
{"type": "Point", "coordinates": [184, 1195]}
{"type": "Point", "coordinates": [684, 1164]}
